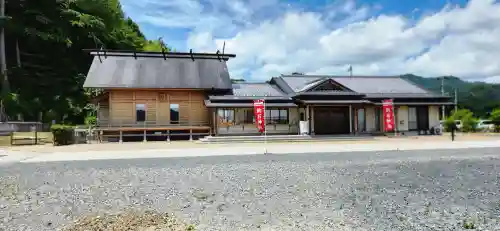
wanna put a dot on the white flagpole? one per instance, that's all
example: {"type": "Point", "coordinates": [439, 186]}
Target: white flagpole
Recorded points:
{"type": "Point", "coordinates": [394, 118]}
{"type": "Point", "coordinates": [265, 129]}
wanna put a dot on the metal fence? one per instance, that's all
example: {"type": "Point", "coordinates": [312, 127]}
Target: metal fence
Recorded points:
{"type": "Point", "coordinates": [24, 133]}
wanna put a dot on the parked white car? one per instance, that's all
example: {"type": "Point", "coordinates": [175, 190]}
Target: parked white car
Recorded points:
{"type": "Point", "coordinates": [457, 122]}
{"type": "Point", "coordinates": [485, 125]}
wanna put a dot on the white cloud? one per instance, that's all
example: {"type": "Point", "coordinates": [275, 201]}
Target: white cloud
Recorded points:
{"type": "Point", "coordinates": [461, 41]}
{"type": "Point", "coordinates": [494, 79]}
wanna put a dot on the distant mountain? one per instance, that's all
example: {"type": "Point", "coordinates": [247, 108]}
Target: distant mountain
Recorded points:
{"type": "Point", "coordinates": [479, 97]}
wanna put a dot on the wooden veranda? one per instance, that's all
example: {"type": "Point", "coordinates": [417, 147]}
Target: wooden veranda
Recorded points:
{"type": "Point", "coordinates": [160, 131]}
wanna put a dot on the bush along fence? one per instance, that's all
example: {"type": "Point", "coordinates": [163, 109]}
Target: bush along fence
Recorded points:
{"type": "Point", "coordinates": [62, 134]}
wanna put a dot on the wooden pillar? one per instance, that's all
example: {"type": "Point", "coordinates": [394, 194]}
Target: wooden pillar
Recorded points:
{"type": "Point", "coordinates": [350, 119]}
{"type": "Point", "coordinates": [300, 119]}
{"type": "Point", "coordinates": [309, 119]}
{"type": "Point", "coordinates": [355, 120]}
{"type": "Point", "coordinates": [216, 122]}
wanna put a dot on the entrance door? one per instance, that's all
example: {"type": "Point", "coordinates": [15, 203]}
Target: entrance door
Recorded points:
{"type": "Point", "coordinates": [422, 118]}
{"type": "Point", "coordinates": [331, 120]}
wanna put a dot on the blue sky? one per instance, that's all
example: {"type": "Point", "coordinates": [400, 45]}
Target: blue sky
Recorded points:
{"type": "Point", "coordinates": [376, 37]}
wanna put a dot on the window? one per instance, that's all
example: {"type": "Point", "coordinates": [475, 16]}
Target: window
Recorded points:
{"type": "Point", "coordinates": [249, 116]}
{"type": "Point", "coordinates": [302, 116]}
{"type": "Point", "coordinates": [361, 120]}
{"type": "Point", "coordinates": [412, 118]}
{"type": "Point", "coordinates": [174, 113]}
{"type": "Point", "coordinates": [378, 112]}
{"type": "Point", "coordinates": [140, 112]}
{"type": "Point", "coordinates": [226, 115]}
{"type": "Point", "coordinates": [277, 116]}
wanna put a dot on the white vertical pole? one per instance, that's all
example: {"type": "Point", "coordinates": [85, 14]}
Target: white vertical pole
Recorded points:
{"type": "Point", "coordinates": [265, 129]}
{"type": "Point", "coordinates": [456, 101]}
{"type": "Point", "coordinates": [394, 118]}
{"type": "Point", "coordinates": [442, 94]}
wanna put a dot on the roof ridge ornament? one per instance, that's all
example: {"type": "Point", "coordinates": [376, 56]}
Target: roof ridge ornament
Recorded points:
{"type": "Point", "coordinates": [95, 42]}
{"type": "Point", "coordinates": [162, 45]}
{"type": "Point", "coordinates": [218, 55]}
{"type": "Point", "coordinates": [191, 53]}
{"type": "Point", "coordinates": [104, 51]}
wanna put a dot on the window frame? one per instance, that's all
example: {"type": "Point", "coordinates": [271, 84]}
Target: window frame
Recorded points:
{"type": "Point", "coordinates": [285, 119]}
{"type": "Point", "coordinates": [412, 111]}
{"type": "Point", "coordinates": [173, 110]}
{"type": "Point", "coordinates": [247, 114]}
{"type": "Point", "coordinates": [223, 118]}
{"type": "Point", "coordinates": [142, 111]}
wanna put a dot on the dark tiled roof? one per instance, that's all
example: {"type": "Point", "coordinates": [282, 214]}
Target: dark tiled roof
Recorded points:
{"type": "Point", "coordinates": [370, 85]}
{"type": "Point", "coordinates": [336, 101]}
{"type": "Point", "coordinates": [296, 83]}
{"type": "Point", "coordinates": [208, 103]}
{"type": "Point", "coordinates": [330, 93]}
{"type": "Point", "coordinates": [377, 84]}
{"type": "Point", "coordinates": [403, 95]}
{"type": "Point", "coordinates": [256, 89]}
{"type": "Point", "coordinates": [253, 91]}
{"type": "Point", "coordinates": [155, 72]}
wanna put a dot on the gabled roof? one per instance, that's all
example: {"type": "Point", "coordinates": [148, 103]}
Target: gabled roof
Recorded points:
{"type": "Point", "coordinates": [154, 70]}
{"type": "Point", "coordinates": [372, 86]}
{"type": "Point", "coordinates": [328, 82]}
{"type": "Point", "coordinates": [298, 82]}
{"type": "Point", "coordinates": [254, 91]}
{"type": "Point", "coordinates": [379, 84]}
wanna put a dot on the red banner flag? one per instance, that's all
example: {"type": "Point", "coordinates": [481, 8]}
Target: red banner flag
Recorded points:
{"type": "Point", "coordinates": [259, 109]}
{"type": "Point", "coordinates": [388, 110]}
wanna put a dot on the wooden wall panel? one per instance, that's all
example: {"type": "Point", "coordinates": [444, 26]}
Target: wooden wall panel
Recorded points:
{"type": "Point", "coordinates": [191, 105]}
{"type": "Point", "coordinates": [163, 113]}
{"type": "Point", "coordinates": [184, 112]}
{"type": "Point", "coordinates": [121, 96]}
{"type": "Point", "coordinates": [151, 111]}
{"type": "Point", "coordinates": [121, 112]}
{"type": "Point", "coordinates": [198, 111]}
{"type": "Point", "coordinates": [146, 95]}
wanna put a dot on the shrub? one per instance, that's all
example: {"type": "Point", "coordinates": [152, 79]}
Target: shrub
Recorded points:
{"type": "Point", "coordinates": [62, 134]}
{"type": "Point", "coordinates": [495, 118]}
{"type": "Point", "coordinates": [91, 120]}
{"type": "Point", "coordinates": [450, 121]}
{"type": "Point", "coordinates": [469, 124]}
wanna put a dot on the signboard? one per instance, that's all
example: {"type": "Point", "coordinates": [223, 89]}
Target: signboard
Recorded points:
{"type": "Point", "coordinates": [388, 110]}
{"type": "Point", "coordinates": [259, 110]}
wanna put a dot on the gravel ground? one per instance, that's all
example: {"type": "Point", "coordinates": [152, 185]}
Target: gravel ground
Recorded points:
{"type": "Point", "coordinates": [411, 190]}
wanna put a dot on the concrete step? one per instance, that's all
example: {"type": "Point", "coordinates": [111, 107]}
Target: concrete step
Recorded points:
{"type": "Point", "coordinates": [276, 138]}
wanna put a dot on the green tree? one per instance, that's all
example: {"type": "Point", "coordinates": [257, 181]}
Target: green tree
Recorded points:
{"type": "Point", "coordinates": [47, 67]}
{"type": "Point", "coordinates": [469, 122]}
{"type": "Point", "coordinates": [495, 118]}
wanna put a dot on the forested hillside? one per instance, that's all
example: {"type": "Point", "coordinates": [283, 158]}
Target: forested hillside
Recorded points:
{"type": "Point", "coordinates": [481, 98]}
{"type": "Point", "coordinates": [45, 62]}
